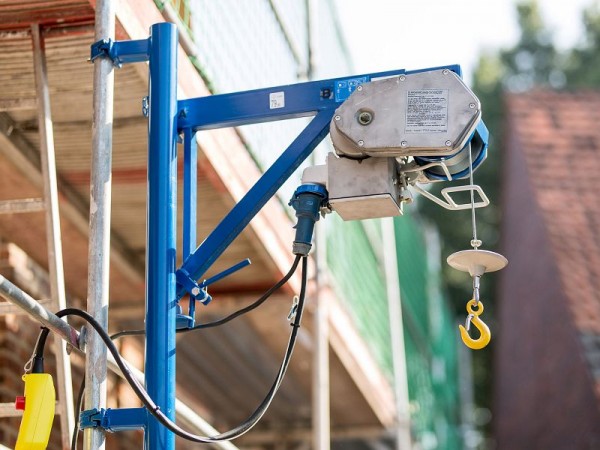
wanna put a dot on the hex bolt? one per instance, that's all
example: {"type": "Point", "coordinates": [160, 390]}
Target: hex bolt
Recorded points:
{"type": "Point", "coordinates": [402, 78]}
{"type": "Point", "coordinates": [448, 143]}
{"type": "Point", "coordinates": [404, 144]}
{"type": "Point", "coordinates": [365, 117]}
{"type": "Point", "coordinates": [338, 117]}
{"type": "Point", "coordinates": [361, 143]}
{"type": "Point", "coordinates": [195, 291]}
{"type": "Point", "coordinates": [359, 88]}
{"type": "Point", "coordinates": [445, 71]}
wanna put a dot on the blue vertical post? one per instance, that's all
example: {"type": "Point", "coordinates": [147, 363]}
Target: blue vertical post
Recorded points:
{"type": "Point", "coordinates": [190, 190]}
{"type": "Point", "coordinates": [161, 232]}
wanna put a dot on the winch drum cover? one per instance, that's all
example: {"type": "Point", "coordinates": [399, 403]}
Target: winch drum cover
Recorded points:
{"type": "Point", "coordinates": [431, 113]}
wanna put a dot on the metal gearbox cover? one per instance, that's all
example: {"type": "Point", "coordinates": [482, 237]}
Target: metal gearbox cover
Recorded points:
{"type": "Point", "coordinates": [366, 189]}
{"type": "Point", "coordinates": [430, 113]}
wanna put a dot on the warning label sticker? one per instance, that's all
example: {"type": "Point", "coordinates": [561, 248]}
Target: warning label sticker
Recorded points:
{"type": "Point", "coordinates": [276, 100]}
{"type": "Point", "coordinates": [427, 111]}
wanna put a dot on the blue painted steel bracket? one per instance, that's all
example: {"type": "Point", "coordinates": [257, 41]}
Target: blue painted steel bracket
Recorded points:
{"type": "Point", "coordinates": [113, 420]}
{"type": "Point", "coordinates": [196, 291]}
{"type": "Point", "coordinates": [167, 119]}
{"type": "Point", "coordinates": [276, 103]}
{"type": "Point", "coordinates": [320, 98]}
{"type": "Point", "coordinates": [344, 88]}
{"type": "Point", "coordinates": [242, 213]}
{"type": "Point", "coordinates": [121, 52]}
{"type": "Point", "coordinates": [262, 105]}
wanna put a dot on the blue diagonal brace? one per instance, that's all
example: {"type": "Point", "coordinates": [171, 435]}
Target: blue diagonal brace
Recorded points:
{"type": "Point", "coordinates": [242, 213]}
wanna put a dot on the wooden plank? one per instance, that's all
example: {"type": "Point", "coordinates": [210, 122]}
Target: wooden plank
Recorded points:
{"type": "Point", "coordinates": [75, 209]}
{"type": "Point", "coordinates": [15, 104]}
{"type": "Point", "coordinates": [24, 205]}
{"type": "Point", "coordinates": [18, 15]}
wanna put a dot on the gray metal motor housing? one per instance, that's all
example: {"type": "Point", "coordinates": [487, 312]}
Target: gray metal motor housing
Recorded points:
{"type": "Point", "coordinates": [430, 113]}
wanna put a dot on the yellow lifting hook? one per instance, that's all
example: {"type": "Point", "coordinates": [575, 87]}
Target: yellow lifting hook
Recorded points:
{"type": "Point", "coordinates": [485, 334]}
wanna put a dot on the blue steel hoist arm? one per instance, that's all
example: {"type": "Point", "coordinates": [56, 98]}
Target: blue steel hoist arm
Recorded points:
{"type": "Point", "coordinates": [276, 103]}
{"type": "Point", "coordinates": [315, 98]}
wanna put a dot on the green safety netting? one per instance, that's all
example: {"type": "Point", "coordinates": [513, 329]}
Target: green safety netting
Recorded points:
{"type": "Point", "coordinates": [429, 334]}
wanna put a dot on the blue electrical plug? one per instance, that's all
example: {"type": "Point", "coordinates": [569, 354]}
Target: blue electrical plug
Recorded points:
{"type": "Point", "coordinates": [307, 202]}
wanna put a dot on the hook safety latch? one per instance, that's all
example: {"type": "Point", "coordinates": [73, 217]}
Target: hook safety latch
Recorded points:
{"type": "Point", "coordinates": [473, 318]}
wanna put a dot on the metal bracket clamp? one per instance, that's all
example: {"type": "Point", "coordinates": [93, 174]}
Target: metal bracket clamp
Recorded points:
{"type": "Point", "coordinates": [121, 52]}
{"type": "Point", "coordinates": [199, 292]}
{"type": "Point", "coordinates": [192, 287]}
{"type": "Point", "coordinates": [91, 418]}
{"type": "Point", "coordinates": [113, 420]}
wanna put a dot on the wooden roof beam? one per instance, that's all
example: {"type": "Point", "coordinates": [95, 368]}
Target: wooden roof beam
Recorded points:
{"type": "Point", "coordinates": [20, 15]}
{"type": "Point", "coordinates": [15, 146]}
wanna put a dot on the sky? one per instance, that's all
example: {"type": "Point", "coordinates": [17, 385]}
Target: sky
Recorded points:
{"type": "Point", "coordinates": [414, 34]}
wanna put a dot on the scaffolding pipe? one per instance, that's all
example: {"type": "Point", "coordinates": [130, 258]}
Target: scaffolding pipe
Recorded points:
{"type": "Point", "coordinates": [390, 256]}
{"type": "Point", "coordinates": [58, 326]}
{"type": "Point", "coordinates": [321, 421]}
{"type": "Point", "coordinates": [100, 209]}
{"type": "Point", "coordinates": [34, 309]}
{"type": "Point", "coordinates": [53, 235]}
{"type": "Point", "coordinates": [321, 414]}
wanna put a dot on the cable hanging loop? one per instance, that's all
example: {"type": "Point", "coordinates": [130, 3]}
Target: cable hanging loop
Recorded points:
{"type": "Point", "coordinates": [153, 408]}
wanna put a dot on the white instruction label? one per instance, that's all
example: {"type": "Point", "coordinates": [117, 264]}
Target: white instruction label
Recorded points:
{"type": "Point", "coordinates": [276, 100]}
{"type": "Point", "coordinates": [427, 111]}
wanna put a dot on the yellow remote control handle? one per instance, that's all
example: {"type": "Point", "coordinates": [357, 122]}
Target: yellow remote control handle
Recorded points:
{"type": "Point", "coordinates": [38, 414]}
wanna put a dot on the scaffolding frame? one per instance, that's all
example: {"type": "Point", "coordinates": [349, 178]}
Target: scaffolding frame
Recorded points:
{"type": "Point", "coordinates": [164, 282]}
{"type": "Point", "coordinates": [100, 216]}
{"type": "Point", "coordinates": [72, 338]}
{"type": "Point", "coordinates": [50, 205]}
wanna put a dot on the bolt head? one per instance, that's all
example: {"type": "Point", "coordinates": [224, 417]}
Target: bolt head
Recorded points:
{"type": "Point", "coordinates": [365, 117]}
{"type": "Point", "coordinates": [472, 105]}
{"type": "Point", "coordinates": [448, 143]}
{"type": "Point", "coordinates": [402, 78]}
{"type": "Point", "coordinates": [445, 71]}
{"type": "Point", "coordinates": [359, 88]}
{"type": "Point", "coordinates": [404, 144]}
{"type": "Point", "coordinates": [195, 291]}
{"type": "Point", "coordinates": [361, 143]}
{"type": "Point", "coordinates": [338, 117]}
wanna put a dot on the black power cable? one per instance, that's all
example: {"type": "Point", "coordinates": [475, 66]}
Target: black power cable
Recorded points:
{"type": "Point", "coordinates": [231, 316]}
{"type": "Point", "coordinates": [155, 409]}
{"type": "Point", "coordinates": [78, 402]}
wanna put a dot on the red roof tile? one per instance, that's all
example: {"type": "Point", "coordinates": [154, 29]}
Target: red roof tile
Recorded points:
{"type": "Point", "coordinates": [559, 134]}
